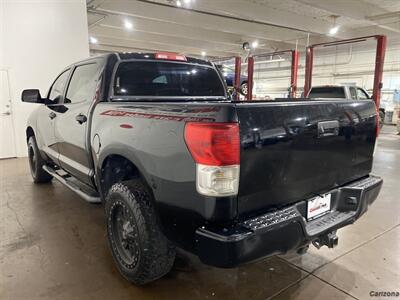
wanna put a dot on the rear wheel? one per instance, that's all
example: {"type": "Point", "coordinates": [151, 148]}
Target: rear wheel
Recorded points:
{"type": "Point", "coordinates": [36, 163]}
{"type": "Point", "coordinates": [142, 253]}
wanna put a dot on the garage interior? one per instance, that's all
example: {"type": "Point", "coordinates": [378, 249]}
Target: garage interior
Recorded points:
{"type": "Point", "coordinates": [53, 244]}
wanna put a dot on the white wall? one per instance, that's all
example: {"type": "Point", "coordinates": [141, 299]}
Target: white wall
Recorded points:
{"type": "Point", "coordinates": [37, 40]}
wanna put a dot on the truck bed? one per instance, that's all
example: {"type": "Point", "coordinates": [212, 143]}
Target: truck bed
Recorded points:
{"type": "Point", "coordinates": [284, 156]}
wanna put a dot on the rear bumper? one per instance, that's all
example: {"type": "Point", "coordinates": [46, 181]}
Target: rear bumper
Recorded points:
{"type": "Point", "coordinates": [283, 230]}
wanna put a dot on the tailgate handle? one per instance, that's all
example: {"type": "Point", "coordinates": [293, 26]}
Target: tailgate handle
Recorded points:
{"type": "Point", "coordinates": [328, 128]}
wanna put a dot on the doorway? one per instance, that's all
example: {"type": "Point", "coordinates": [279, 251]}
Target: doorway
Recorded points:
{"type": "Point", "coordinates": [7, 132]}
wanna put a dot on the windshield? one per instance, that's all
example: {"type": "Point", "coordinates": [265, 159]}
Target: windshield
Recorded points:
{"type": "Point", "coordinates": [155, 78]}
{"type": "Point", "coordinates": [327, 92]}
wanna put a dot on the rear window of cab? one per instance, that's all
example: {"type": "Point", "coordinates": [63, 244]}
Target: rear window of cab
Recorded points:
{"type": "Point", "coordinates": [169, 79]}
{"type": "Point", "coordinates": [327, 92]}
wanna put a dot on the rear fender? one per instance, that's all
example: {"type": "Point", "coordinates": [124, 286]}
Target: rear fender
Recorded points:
{"type": "Point", "coordinates": [120, 150]}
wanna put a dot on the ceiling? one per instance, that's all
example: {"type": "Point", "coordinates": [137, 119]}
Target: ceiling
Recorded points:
{"type": "Point", "coordinates": [220, 27]}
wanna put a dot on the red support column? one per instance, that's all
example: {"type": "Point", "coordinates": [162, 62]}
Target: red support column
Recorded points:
{"type": "Point", "coordinates": [308, 72]}
{"type": "Point", "coordinates": [238, 66]}
{"type": "Point", "coordinates": [294, 71]}
{"type": "Point", "coordinates": [250, 74]}
{"type": "Point", "coordinates": [378, 75]}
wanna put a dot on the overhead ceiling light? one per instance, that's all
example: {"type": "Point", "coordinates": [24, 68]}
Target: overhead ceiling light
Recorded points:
{"type": "Point", "coordinates": [254, 44]}
{"type": "Point", "coordinates": [128, 25]}
{"type": "Point", "coordinates": [203, 53]}
{"type": "Point", "coordinates": [334, 30]}
{"type": "Point", "coordinates": [187, 1]}
{"type": "Point", "coordinates": [178, 3]}
{"type": "Point", "coordinates": [93, 40]}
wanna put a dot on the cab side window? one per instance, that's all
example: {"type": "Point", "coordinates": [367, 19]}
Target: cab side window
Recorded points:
{"type": "Point", "coordinates": [83, 83]}
{"type": "Point", "coordinates": [361, 94]}
{"type": "Point", "coordinates": [353, 93]}
{"type": "Point", "coordinates": [57, 89]}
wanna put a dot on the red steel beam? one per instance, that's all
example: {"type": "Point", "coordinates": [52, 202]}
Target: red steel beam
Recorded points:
{"type": "Point", "coordinates": [346, 41]}
{"type": "Point", "coordinates": [378, 74]}
{"type": "Point", "coordinates": [238, 66]}
{"type": "Point", "coordinates": [309, 69]}
{"type": "Point", "coordinates": [293, 74]}
{"type": "Point", "coordinates": [250, 74]}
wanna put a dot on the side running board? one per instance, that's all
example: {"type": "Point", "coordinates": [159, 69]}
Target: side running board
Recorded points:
{"type": "Point", "coordinates": [75, 185]}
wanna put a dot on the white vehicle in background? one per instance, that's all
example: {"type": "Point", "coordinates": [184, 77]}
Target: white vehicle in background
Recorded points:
{"type": "Point", "coordinates": [398, 123]}
{"type": "Point", "coordinates": [349, 92]}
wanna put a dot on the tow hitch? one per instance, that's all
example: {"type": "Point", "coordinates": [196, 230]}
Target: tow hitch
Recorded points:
{"type": "Point", "coordinates": [330, 240]}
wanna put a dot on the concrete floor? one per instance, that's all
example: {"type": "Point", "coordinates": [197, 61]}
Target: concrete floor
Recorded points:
{"type": "Point", "coordinates": [53, 246]}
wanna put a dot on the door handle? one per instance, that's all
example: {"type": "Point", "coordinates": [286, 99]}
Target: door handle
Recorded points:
{"type": "Point", "coordinates": [52, 115]}
{"type": "Point", "coordinates": [328, 128]}
{"type": "Point", "coordinates": [81, 118]}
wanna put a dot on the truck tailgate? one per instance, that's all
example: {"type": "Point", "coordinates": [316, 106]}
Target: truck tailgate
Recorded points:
{"type": "Point", "coordinates": [291, 151]}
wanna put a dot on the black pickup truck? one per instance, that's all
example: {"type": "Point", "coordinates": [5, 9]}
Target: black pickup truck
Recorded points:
{"type": "Point", "coordinates": [176, 163]}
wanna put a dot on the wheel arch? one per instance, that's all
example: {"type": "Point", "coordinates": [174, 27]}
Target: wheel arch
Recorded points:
{"type": "Point", "coordinates": [110, 173]}
{"type": "Point", "coordinates": [29, 132]}
{"type": "Point", "coordinates": [117, 167]}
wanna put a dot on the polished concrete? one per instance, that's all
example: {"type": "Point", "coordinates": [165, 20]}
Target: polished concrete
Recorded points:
{"type": "Point", "coordinates": [53, 246]}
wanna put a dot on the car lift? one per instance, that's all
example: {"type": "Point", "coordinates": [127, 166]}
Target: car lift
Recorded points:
{"type": "Point", "coordinates": [379, 61]}
{"type": "Point", "coordinates": [293, 74]}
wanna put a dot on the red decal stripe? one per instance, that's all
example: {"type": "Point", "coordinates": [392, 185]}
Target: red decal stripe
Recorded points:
{"type": "Point", "coordinates": [120, 113]}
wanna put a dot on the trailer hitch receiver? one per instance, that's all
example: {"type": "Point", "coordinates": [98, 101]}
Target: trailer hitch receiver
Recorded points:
{"type": "Point", "coordinates": [330, 240]}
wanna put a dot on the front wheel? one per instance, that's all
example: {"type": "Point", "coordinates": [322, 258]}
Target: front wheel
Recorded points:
{"type": "Point", "coordinates": [141, 252]}
{"type": "Point", "coordinates": [36, 163]}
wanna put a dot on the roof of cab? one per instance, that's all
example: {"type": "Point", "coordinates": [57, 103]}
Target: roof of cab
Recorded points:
{"type": "Point", "coordinates": [147, 56]}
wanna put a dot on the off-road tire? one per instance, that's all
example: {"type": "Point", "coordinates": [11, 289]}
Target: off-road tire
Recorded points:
{"type": "Point", "coordinates": [130, 204]}
{"type": "Point", "coordinates": [36, 163]}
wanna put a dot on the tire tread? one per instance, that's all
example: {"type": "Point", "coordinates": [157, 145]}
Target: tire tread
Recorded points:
{"type": "Point", "coordinates": [157, 253]}
{"type": "Point", "coordinates": [39, 175]}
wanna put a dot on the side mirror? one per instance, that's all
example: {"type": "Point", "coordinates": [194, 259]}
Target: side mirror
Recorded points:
{"type": "Point", "coordinates": [31, 96]}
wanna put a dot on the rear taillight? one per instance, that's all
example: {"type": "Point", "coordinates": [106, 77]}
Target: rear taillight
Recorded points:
{"type": "Point", "coordinates": [213, 144]}
{"type": "Point", "coordinates": [215, 147]}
